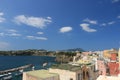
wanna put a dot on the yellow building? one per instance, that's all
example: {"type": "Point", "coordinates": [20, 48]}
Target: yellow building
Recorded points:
{"type": "Point", "coordinates": [107, 53]}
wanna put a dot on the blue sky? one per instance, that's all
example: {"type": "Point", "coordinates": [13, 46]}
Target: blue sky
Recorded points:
{"type": "Point", "coordinates": [59, 24]}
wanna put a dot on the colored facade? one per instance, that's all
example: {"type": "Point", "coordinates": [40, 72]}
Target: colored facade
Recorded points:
{"type": "Point", "coordinates": [113, 57]}
{"type": "Point", "coordinates": [101, 67]}
{"type": "Point", "coordinates": [85, 53]}
{"type": "Point", "coordinates": [113, 65]}
{"type": "Point", "coordinates": [113, 68]}
{"type": "Point", "coordinates": [107, 53]}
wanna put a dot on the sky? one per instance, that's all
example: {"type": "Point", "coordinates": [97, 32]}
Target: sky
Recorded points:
{"type": "Point", "coordinates": [59, 24]}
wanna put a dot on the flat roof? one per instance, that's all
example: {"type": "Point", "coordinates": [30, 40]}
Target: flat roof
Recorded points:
{"type": "Point", "coordinates": [41, 74]}
{"type": "Point", "coordinates": [66, 67]}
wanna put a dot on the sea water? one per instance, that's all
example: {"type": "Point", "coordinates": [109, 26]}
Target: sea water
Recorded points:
{"type": "Point", "coordinates": [8, 62]}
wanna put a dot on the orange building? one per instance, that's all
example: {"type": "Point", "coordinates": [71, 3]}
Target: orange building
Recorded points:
{"type": "Point", "coordinates": [113, 65]}
{"type": "Point", "coordinates": [113, 68]}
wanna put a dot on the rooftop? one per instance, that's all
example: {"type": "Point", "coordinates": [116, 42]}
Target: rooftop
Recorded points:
{"type": "Point", "coordinates": [41, 74]}
{"type": "Point", "coordinates": [66, 67]}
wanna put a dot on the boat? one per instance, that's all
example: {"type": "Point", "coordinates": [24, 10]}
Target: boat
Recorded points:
{"type": "Point", "coordinates": [7, 76]}
{"type": "Point", "coordinates": [45, 64]}
{"type": "Point", "coordinates": [1, 76]}
{"type": "Point", "coordinates": [19, 73]}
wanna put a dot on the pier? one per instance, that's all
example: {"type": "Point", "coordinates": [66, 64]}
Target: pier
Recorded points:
{"type": "Point", "coordinates": [16, 69]}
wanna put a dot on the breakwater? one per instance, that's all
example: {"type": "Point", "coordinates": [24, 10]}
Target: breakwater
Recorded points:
{"type": "Point", "coordinates": [16, 69]}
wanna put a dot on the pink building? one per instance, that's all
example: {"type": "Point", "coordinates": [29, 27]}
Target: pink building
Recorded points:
{"type": "Point", "coordinates": [101, 67]}
{"type": "Point", "coordinates": [85, 53]}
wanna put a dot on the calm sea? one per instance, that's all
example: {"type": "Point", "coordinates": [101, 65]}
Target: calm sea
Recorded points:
{"type": "Point", "coordinates": [8, 62]}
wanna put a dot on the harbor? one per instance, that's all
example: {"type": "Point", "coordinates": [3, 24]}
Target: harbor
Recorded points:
{"type": "Point", "coordinates": [16, 72]}
{"type": "Point", "coordinates": [16, 69]}
{"type": "Point", "coordinates": [21, 63]}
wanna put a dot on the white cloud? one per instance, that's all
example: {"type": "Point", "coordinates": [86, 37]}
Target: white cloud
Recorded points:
{"type": "Point", "coordinates": [36, 38]}
{"type": "Point", "coordinates": [65, 29]}
{"type": "Point", "coordinates": [40, 33]}
{"type": "Point", "coordinates": [37, 22]}
{"type": "Point", "coordinates": [4, 45]}
{"type": "Point", "coordinates": [41, 38]}
{"type": "Point", "coordinates": [110, 23]}
{"type": "Point", "coordinates": [14, 34]}
{"type": "Point", "coordinates": [1, 18]}
{"type": "Point", "coordinates": [86, 27]}
{"type": "Point", "coordinates": [103, 24]}
{"type": "Point", "coordinates": [30, 37]}
{"type": "Point", "coordinates": [49, 17]}
{"type": "Point", "coordinates": [12, 30]}
{"type": "Point", "coordinates": [118, 17]}
{"type": "Point", "coordinates": [1, 13]}
{"type": "Point", "coordinates": [114, 1]}
{"type": "Point", "coordinates": [2, 34]}
{"type": "Point", "coordinates": [90, 21]}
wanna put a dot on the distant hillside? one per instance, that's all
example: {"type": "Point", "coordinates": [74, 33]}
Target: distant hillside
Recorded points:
{"type": "Point", "coordinates": [73, 50]}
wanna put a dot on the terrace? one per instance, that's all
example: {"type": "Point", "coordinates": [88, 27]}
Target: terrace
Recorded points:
{"type": "Point", "coordinates": [66, 67]}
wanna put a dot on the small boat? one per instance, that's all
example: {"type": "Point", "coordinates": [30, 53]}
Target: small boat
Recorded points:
{"type": "Point", "coordinates": [44, 64]}
{"type": "Point", "coordinates": [1, 76]}
{"type": "Point", "coordinates": [7, 76]}
{"type": "Point", "coordinates": [33, 68]}
{"type": "Point", "coordinates": [19, 73]}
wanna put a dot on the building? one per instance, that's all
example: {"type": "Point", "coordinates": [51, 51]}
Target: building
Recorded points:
{"type": "Point", "coordinates": [40, 75]}
{"type": "Point", "coordinates": [61, 72]}
{"type": "Point", "coordinates": [56, 72]}
{"type": "Point", "coordinates": [113, 65]}
{"type": "Point", "coordinates": [107, 53]}
{"type": "Point", "coordinates": [114, 69]}
{"type": "Point", "coordinates": [101, 67]}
